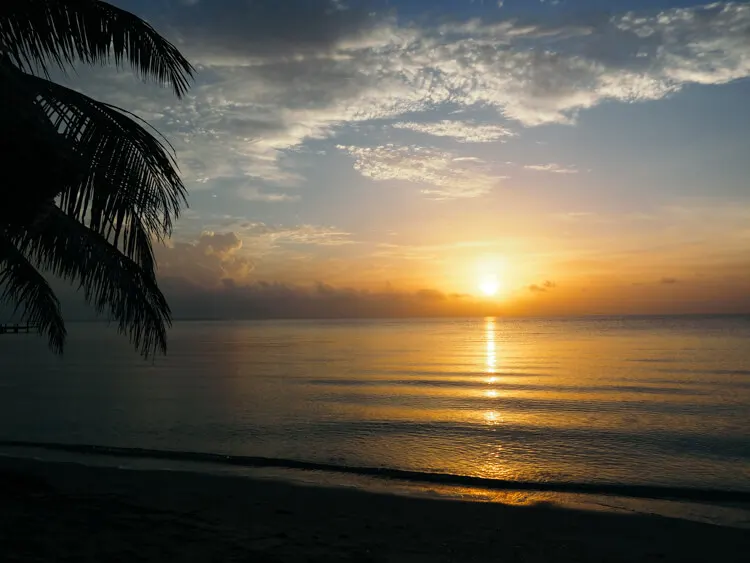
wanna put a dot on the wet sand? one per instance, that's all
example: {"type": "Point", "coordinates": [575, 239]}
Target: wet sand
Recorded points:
{"type": "Point", "coordinates": [69, 512]}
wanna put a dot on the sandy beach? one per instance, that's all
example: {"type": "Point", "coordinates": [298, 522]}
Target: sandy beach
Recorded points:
{"type": "Point", "coordinates": [69, 512]}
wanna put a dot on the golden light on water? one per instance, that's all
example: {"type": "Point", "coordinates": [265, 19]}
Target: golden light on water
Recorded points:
{"type": "Point", "coordinates": [491, 359]}
{"type": "Point", "coordinates": [491, 356]}
{"type": "Point", "coordinates": [490, 366]}
{"type": "Point", "coordinates": [492, 417]}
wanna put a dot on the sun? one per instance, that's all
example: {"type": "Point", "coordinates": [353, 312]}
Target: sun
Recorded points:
{"type": "Point", "coordinates": [489, 285]}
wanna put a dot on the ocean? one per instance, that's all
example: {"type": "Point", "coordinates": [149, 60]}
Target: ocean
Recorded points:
{"type": "Point", "coordinates": [627, 401]}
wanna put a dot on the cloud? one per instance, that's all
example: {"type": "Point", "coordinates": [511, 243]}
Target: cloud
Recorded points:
{"type": "Point", "coordinates": [205, 261]}
{"type": "Point", "coordinates": [430, 295]}
{"type": "Point", "coordinates": [264, 29]}
{"type": "Point", "coordinates": [237, 247]}
{"type": "Point", "coordinates": [253, 193]}
{"type": "Point", "coordinates": [552, 167]}
{"type": "Point", "coordinates": [542, 288]}
{"type": "Point", "coordinates": [575, 216]}
{"type": "Point", "coordinates": [310, 235]}
{"type": "Point", "coordinates": [279, 300]}
{"type": "Point", "coordinates": [461, 131]}
{"type": "Point", "coordinates": [444, 175]}
{"type": "Point", "coordinates": [262, 239]}
{"type": "Point", "coordinates": [669, 281]}
{"type": "Point", "coordinates": [702, 45]}
{"type": "Point", "coordinates": [274, 75]}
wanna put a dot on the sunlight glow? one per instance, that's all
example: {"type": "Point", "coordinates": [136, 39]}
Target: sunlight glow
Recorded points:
{"type": "Point", "coordinates": [491, 273]}
{"type": "Point", "coordinates": [489, 285]}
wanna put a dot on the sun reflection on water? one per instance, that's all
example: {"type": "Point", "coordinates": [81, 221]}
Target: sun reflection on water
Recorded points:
{"type": "Point", "coordinates": [491, 360]}
{"type": "Point", "coordinates": [491, 417]}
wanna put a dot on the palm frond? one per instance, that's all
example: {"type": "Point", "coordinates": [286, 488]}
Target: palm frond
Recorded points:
{"type": "Point", "coordinates": [110, 281]}
{"type": "Point", "coordinates": [36, 34]}
{"type": "Point", "coordinates": [35, 160]}
{"type": "Point", "coordinates": [127, 187]}
{"type": "Point", "coordinates": [22, 286]}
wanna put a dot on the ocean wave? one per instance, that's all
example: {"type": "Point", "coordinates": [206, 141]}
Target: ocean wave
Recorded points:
{"type": "Point", "coordinates": [685, 494]}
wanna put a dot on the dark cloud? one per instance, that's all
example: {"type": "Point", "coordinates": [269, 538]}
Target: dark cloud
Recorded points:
{"type": "Point", "coordinates": [263, 28]}
{"type": "Point", "coordinates": [205, 261]}
{"type": "Point", "coordinates": [669, 281]}
{"type": "Point", "coordinates": [279, 300]}
{"type": "Point", "coordinates": [230, 300]}
{"type": "Point", "coordinates": [430, 295]}
{"type": "Point", "coordinates": [541, 288]}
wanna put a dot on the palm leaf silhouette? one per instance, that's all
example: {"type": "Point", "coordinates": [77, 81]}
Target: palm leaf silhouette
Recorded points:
{"type": "Point", "coordinates": [38, 34]}
{"type": "Point", "coordinates": [90, 186]}
{"type": "Point", "coordinates": [26, 287]}
{"type": "Point", "coordinates": [109, 280]}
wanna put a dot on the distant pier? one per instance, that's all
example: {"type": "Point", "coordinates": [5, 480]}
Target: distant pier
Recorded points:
{"type": "Point", "coordinates": [19, 328]}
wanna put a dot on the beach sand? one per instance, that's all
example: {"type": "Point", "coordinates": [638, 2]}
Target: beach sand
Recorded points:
{"type": "Point", "coordinates": [69, 512]}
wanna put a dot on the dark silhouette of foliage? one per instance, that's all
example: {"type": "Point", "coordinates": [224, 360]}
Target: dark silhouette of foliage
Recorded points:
{"type": "Point", "coordinates": [86, 187]}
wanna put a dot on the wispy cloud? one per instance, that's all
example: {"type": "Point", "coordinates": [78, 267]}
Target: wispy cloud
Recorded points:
{"type": "Point", "coordinates": [443, 175]}
{"type": "Point", "coordinates": [273, 77]}
{"type": "Point", "coordinates": [461, 131]}
{"type": "Point", "coordinates": [543, 287]}
{"type": "Point", "coordinates": [575, 216]}
{"type": "Point", "coordinates": [552, 167]}
{"type": "Point", "coordinates": [253, 193]}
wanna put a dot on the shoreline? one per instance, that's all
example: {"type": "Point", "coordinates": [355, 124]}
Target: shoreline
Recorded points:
{"type": "Point", "coordinates": [719, 507]}
{"type": "Point", "coordinates": [635, 491]}
{"type": "Point", "coordinates": [64, 510]}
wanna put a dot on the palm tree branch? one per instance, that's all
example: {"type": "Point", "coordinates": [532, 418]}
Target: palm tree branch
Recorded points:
{"type": "Point", "coordinates": [23, 286]}
{"type": "Point", "coordinates": [127, 183]}
{"type": "Point", "coordinates": [39, 33]}
{"type": "Point", "coordinates": [110, 281]}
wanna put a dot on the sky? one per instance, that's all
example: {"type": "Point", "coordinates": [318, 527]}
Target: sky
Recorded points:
{"type": "Point", "coordinates": [385, 157]}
